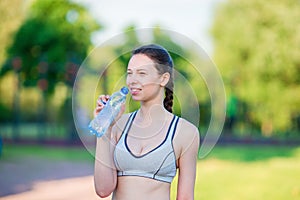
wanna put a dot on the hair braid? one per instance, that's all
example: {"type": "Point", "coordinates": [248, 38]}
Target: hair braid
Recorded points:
{"type": "Point", "coordinates": [168, 101]}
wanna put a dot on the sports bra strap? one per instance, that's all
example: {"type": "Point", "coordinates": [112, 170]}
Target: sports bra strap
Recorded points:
{"type": "Point", "coordinates": [172, 129]}
{"type": "Point", "coordinates": [129, 122]}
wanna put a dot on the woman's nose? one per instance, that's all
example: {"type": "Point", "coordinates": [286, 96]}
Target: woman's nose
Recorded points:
{"type": "Point", "coordinates": [132, 79]}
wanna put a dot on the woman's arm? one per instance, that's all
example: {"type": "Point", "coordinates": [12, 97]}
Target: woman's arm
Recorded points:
{"type": "Point", "coordinates": [105, 175]}
{"type": "Point", "coordinates": [187, 163]}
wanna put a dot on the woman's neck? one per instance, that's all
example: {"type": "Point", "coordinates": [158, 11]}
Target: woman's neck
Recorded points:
{"type": "Point", "coordinates": [147, 114]}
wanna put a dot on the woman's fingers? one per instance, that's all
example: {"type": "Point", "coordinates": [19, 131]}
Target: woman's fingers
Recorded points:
{"type": "Point", "coordinates": [101, 101]}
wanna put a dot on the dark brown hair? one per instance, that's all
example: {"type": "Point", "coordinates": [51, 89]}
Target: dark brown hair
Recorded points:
{"type": "Point", "coordinates": [164, 63]}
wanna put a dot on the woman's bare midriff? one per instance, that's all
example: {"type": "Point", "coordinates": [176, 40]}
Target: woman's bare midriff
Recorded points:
{"type": "Point", "coordinates": [140, 188]}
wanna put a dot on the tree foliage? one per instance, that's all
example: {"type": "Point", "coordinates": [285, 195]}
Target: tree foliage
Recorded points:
{"type": "Point", "coordinates": [11, 16]}
{"type": "Point", "coordinates": [51, 43]}
{"type": "Point", "coordinates": [257, 50]}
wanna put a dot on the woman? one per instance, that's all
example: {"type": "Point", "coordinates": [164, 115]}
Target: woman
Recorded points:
{"type": "Point", "coordinates": [139, 155]}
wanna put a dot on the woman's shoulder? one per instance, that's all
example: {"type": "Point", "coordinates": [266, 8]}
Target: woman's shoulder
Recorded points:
{"type": "Point", "coordinates": [186, 130]}
{"type": "Point", "coordinates": [120, 124]}
{"type": "Point", "coordinates": [187, 135]}
{"type": "Point", "coordinates": [185, 125]}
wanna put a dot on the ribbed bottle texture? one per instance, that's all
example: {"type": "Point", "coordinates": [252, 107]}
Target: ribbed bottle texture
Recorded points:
{"type": "Point", "coordinates": [99, 125]}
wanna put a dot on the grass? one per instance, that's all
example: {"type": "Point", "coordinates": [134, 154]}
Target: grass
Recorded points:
{"type": "Point", "coordinates": [227, 173]}
{"type": "Point", "coordinates": [248, 173]}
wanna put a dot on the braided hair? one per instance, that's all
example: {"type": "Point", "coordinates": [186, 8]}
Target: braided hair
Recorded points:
{"type": "Point", "coordinates": [163, 63]}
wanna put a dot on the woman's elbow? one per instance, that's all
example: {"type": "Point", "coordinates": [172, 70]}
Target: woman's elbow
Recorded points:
{"type": "Point", "coordinates": [185, 197]}
{"type": "Point", "coordinates": [105, 189]}
{"type": "Point", "coordinates": [103, 192]}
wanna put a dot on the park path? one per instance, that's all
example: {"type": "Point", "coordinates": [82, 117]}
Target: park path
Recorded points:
{"type": "Point", "coordinates": [33, 178]}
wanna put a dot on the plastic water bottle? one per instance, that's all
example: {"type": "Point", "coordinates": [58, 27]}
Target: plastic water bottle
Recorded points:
{"type": "Point", "coordinates": [99, 125]}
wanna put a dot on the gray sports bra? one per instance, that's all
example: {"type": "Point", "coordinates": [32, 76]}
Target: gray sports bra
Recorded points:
{"type": "Point", "coordinates": [158, 164]}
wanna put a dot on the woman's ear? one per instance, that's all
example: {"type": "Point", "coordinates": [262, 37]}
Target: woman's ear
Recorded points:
{"type": "Point", "coordinates": [165, 79]}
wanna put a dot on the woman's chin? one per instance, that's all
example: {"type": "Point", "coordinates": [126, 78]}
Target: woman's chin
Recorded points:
{"type": "Point", "coordinates": [135, 98]}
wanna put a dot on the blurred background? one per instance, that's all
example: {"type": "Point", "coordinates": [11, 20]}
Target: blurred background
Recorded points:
{"type": "Point", "coordinates": [254, 44]}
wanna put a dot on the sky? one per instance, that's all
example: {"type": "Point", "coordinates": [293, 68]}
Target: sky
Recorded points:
{"type": "Point", "coordinates": [191, 18]}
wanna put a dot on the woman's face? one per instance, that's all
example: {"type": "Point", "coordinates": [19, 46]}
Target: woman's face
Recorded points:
{"type": "Point", "coordinates": [143, 79]}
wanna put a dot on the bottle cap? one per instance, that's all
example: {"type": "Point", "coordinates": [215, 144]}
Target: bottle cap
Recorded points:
{"type": "Point", "coordinates": [124, 90]}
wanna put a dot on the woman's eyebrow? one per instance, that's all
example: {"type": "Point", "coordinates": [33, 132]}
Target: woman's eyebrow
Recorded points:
{"type": "Point", "coordinates": [138, 69]}
{"type": "Point", "coordinates": [141, 69]}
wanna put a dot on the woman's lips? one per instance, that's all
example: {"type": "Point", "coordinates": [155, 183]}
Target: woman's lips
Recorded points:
{"type": "Point", "coordinates": [135, 91]}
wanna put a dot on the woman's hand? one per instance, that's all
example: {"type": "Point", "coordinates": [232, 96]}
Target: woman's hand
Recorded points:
{"type": "Point", "coordinates": [102, 99]}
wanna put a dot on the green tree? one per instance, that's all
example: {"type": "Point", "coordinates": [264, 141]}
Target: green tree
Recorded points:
{"type": "Point", "coordinates": [12, 14]}
{"type": "Point", "coordinates": [49, 47]}
{"type": "Point", "coordinates": [257, 50]}
{"type": "Point", "coordinates": [11, 17]}
{"type": "Point", "coordinates": [51, 43]}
